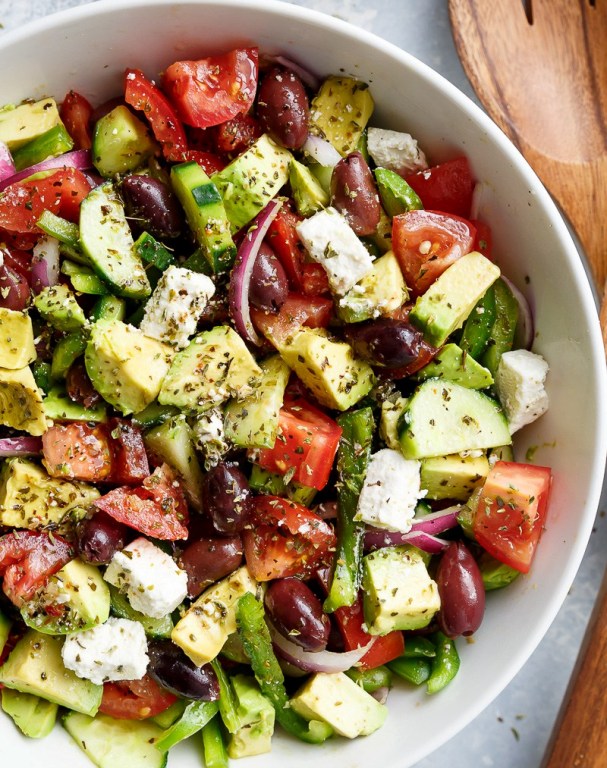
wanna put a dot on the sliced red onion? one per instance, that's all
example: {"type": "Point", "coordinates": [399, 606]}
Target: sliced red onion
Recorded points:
{"type": "Point", "coordinates": [7, 166]}
{"type": "Point", "coordinates": [78, 158]}
{"type": "Point", "coordinates": [376, 539]}
{"type": "Point", "coordinates": [480, 197]}
{"type": "Point", "coordinates": [525, 328]}
{"type": "Point", "coordinates": [381, 694]}
{"type": "Point", "coordinates": [20, 446]}
{"type": "Point", "coordinates": [319, 661]}
{"type": "Point", "coordinates": [327, 510]}
{"type": "Point", "coordinates": [307, 78]}
{"type": "Point", "coordinates": [45, 263]}
{"type": "Point", "coordinates": [321, 151]}
{"type": "Point", "coordinates": [243, 269]}
{"type": "Point", "coordinates": [437, 522]}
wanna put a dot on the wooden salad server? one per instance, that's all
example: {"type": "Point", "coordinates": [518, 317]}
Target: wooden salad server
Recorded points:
{"type": "Point", "coordinates": [539, 67]}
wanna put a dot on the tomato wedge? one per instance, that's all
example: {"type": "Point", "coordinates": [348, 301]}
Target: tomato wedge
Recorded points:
{"type": "Point", "coordinates": [75, 112]}
{"type": "Point", "coordinates": [282, 237]}
{"type": "Point", "coordinates": [210, 91]}
{"type": "Point", "coordinates": [236, 135]}
{"type": "Point", "coordinates": [311, 311]}
{"type": "Point", "coordinates": [135, 699]}
{"type": "Point", "coordinates": [351, 621]}
{"type": "Point", "coordinates": [446, 187]}
{"type": "Point", "coordinates": [129, 458]}
{"type": "Point", "coordinates": [77, 451]}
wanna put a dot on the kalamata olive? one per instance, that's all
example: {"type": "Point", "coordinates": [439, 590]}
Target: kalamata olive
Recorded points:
{"type": "Point", "coordinates": [152, 206]}
{"type": "Point", "coordinates": [297, 613]}
{"type": "Point", "coordinates": [461, 590]}
{"type": "Point", "coordinates": [100, 537]}
{"type": "Point", "coordinates": [269, 286]}
{"type": "Point", "coordinates": [208, 560]}
{"type": "Point", "coordinates": [79, 387]}
{"type": "Point", "coordinates": [14, 289]}
{"type": "Point", "coordinates": [354, 194]}
{"type": "Point", "coordinates": [226, 493]}
{"type": "Point", "coordinates": [173, 670]}
{"type": "Point", "coordinates": [386, 342]}
{"type": "Point", "coordinates": [283, 107]}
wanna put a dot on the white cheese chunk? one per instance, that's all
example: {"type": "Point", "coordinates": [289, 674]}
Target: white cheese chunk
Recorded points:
{"type": "Point", "coordinates": [520, 381]}
{"type": "Point", "coordinates": [115, 650]}
{"type": "Point", "coordinates": [151, 580]}
{"type": "Point", "coordinates": [332, 242]}
{"type": "Point", "coordinates": [390, 491]}
{"type": "Point", "coordinates": [395, 150]}
{"type": "Point", "coordinates": [209, 436]}
{"type": "Point", "coordinates": [172, 312]}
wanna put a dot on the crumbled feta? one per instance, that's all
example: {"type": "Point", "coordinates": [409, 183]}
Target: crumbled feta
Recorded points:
{"type": "Point", "coordinates": [115, 650]}
{"type": "Point", "coordinates": [390, 491]}
{"type": "Point", "coordinates": [395, 150]}
{"type": "Point", "coordinates": [209, 436]}
{"type": "Point", "coordinates": [331, 241]}
{"type": "Point", "coordinates": [520, 381]}
{"type": "Point", "coordinates": [173, 310]}
{"type": "Point", "coordinates": [151, 580]}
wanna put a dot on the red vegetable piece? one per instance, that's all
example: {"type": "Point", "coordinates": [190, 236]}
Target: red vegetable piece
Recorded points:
{"type": "Point", "coordinates": [75, 112]}
{"type": "Point", "coordinates": [446, 187]}
{"type": "Point", "coordinates": [311, 311]}
{"type": "Point", "coordinates": [135, 699]}
{"type": "Point", "coordinates": [77, 451]}
{"type": "Point", "coordinates": [282, 237]}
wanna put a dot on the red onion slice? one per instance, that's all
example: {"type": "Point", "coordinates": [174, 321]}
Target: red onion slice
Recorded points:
{"type": "Point", "coordinates": [45, 263]}
{"type": "Point", "coordinates": [376, 539]}
{"type": "Point", "coordinates": [437, 522]}
{"type": "Point", "coordinates": [525, 328]}
{"type": "Point", "coordinates": [78, 158]}
{"type": "Point", "coordinates": [240, 279]}
{"type": "Point", "coordinates": [20, 446]}
{"type": "Point", "coordinates": [306, 77]}
{"type": "Point", "coordinates": [321, 151]}
{"type": "Point", "coordinates": [7, 166]}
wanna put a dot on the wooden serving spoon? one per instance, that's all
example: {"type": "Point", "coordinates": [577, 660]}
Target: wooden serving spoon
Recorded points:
{"type": "Point", "coordinates": [539, 68]}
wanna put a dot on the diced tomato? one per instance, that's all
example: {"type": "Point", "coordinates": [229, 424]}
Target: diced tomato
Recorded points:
{"type": "Point", "coordinates": [77, 451]}
{"type": "Point", "coordinates": [157, 508]}
{"type": "Point", "coordinates": [130, 461]}
{"type": "Point", "coordinates": [511, 512]}
{"type": "Point", "coordinates": [426, 243]}
{"type": "Point", "coordinates": [311, 311]}
{"type": "Point", "coordinates": [143, 95]}
{"type": "Point", "coordinates": [282, 237]}
{"type": "Point", "coordinates": [285, 539]}
{"type": "Point", "coordinates": [28, 559]}
{"type": "Point", "coordinates": [215, 89]}
{"type": "Point", "coordinates": [446, 187]}
{"type": "Point", "coordinates": [483, 241]}
{"type": "Point", "coordinates": [314, 280]}
{"type": "Point", "coordinates": [208, 161]}
{"type": "Point", "coordinates": [135, 699]}
{"type": "Point", "coordinates": [19, 261]}
{"type": "Point", "coordinates": [306, 444]}
{"type": "Point", "coordinates": [350, 622]}
{"type": "Point", "coordinates": [75, 112]}
{"type": "Point", "coordinates": [236, 135]}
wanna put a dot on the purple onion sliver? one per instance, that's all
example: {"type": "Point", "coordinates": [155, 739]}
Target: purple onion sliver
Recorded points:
{"type": "Point", "coordinates": [77, 158]}
{"type": "Point", "coordinates": [7, 166]}
{"type": "Point", "coordinates": [306, 77]}
{"type": "Point", "coordinates": [381, 694]}
{"type": "Point", "coordinates": [376, 539]}
{"type": "Point", "coordinates": [525, 328]}
{"type": "Point", "coordinates": [45, 264]}
{"type": "Point", "coordinates": [20, 446]}
{"type": "Point", "coordinates": [437, 522]}
{"type": "Point", "coordinates": [321, 151]}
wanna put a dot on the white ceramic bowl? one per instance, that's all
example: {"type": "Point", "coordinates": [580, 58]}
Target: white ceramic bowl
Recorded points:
{"type": "Point", "coordinates": [88, 48]}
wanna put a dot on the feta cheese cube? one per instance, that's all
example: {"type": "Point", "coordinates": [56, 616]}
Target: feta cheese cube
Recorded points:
{"type": "Point", "coordinates": [172, 312]}
{"type": "Point", "coordinates": [114, 650]}
{"type": "Point", "coordinates": [390, 491]}
{"type": "Point", "coordinates": [151, 580]}
{"type": "Point", "coordinates": [209, 436]}
{"type": "Point", "coordinates": [395, 150]}
{"type": "Point", "coordinates": [520, 381]}
{"type": "Point", "coordinates": [332, 242]}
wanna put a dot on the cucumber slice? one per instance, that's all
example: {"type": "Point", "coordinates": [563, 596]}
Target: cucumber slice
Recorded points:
{"type": "Point", "coordinates": [443, 418]}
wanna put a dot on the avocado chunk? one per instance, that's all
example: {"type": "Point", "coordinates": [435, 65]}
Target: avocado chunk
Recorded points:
{"type": "Point", "coordinates": [250, 181]}
{"type": "Point", "coordinates": [16, 339]}
{"type": "Point", "coordinates": [308, 193]}
{"type": "Point", "coordinates": [126, 367]}
{"type": "Point", "coordinates": [380, 292]}
{"type": "Point", "coordinates": [30, 498]}
{"type": "Point", "coordinates": [121, 142]}
{"type": "Point", "coordinates": [205, 627]}
{"type": "Point", "coordinates": [5, 628]}
{"type": "Point", "coordinates": [35, 666]}
{"type": "Point", "coordinates": [391, 411]}
{"type": "Point", "coordinates": [215, 366]}
{"type": "Point", "coordinates": [340, 702]}
{"type": "Point", "coordinates": [21, 124]}
{"type": "Point", "coordinates": [124, 610]}
{"type": "Point", "coordinates": [453, 476]}
{"type": "Point", "coordinates": [21, 401]}
{"type": "Point", "coordinates": [56, 141]}
{"type": "Point", "coordinates": [59, 407]}
{"type": "Point", "coordinates": [453, 364]}
{"type": "Point", "coordinates": [396, 195]}
{"type": "Point", "coordinates": [35, 717]}
{"type": "Point", "coordinates": [452, 297]}
{"type": "Point", "coordinates": [58, 306]}
{"type": "Point", "coordinates": [398, 592]}
{"type": "Point", "coordinates": [340, 112]}
{"type": "Point", "coordinates": [255, 717]}
{"type": "Point", "coordinates": [327, 368]}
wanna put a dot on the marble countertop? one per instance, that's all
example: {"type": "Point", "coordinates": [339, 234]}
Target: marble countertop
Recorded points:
{"type": "Point", "coordinates": [514, 730]}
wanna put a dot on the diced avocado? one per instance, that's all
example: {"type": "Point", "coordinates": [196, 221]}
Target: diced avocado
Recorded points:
{"type": "Point", "coordinates": [396, 195]}
{"type": "Point", "coordinates": [273, 484]}
{"type": "Point", "coordinates": [35, 717]}
{"type": "Point", "coordinates": [250, 181]}
{"type": "Point", "coordinates": [253, 422]}
{"type": "Point", "coordinates": [495, 574]}
{"type": "Point", "coordinates": [502, 453]}
{"type": "Point", "coordinates": [256, 718]}
{"type": "Point", "coordinates": [30, 498]}
{"type": "Point", "coordinates": [121, 142]}
{"type": "Point", "coordinates": [381, 239]}
{"type": "Point", "coordinates": [452, 364]}
{"type": "Point", "coordinates": [51, 143]}
{"type": "Point", "coordinates": [124, 610]}
{"type": "Point", "coordinates": [322, 174]}
{"type": "Point", "coordinates": [35, 666]}
{"type": "Point", "coordinates": [126, 367]}
{"type": "Point", "coordinates": [5, 628]}
{"type": "Point", "coordinates": [391, 411]}
{"type": "Point", "coordinates": [327, 368]}
{"type": "Point", "coordinates": [380, 292]}
{"type": "Point", "coordinates": [453, 296]}
{"type": "Point", "coordinates": [205, 627]}
{"type": "Point", "coordinates": [21, 401]}
{"type": "Point", "coordinates": [58, 306]}
{"type": "Point", "coordinates": [81, 593]}
{"type": "Point", "coordinates": [59, 407]}
{"type": "Point", "coordinates": [107, 241]}
{"type": "Point", "coordinates": [398, 592]}
{"type": "Point", "coordinates": [215, 366]}
{"type": "Point", "coordinates": [21, 124]}
{"type": "Point", "coordinates": [67, 350]}
{"type": "Point", "coordinates": [340, 702]}
{"type": "Point", "coordinates": [308, 193]}
{"type": "Point", "coordinates": [340, 112]}
{"type": "Point", "coordinates": [113, 743]}
{"type": "Point", "coordinates": [453, 476]}
{"type": "Point", "coordinates": [442, 418]}
{"type": "Point", "coordinates": [16, 339]}
{"type": "Point", "coordinates": [206, 214]}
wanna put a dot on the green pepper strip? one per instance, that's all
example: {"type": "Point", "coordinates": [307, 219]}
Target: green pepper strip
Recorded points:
{"type": "Point", "coordinates": [418, 647]}
{"type": "Point", "coordinates": [227, 702]}
{"type": "Point", "coordinates": [371, 680]}
{"type": "Point", "coordinates": [445, 665]}
{"type": "Point", "coordinates": [502, 333]}
{"type": "Point", "coordinates": [195, 716]}
{"type": "Point", "coordinates": [257, 643]}
{"type": "Point", "coordinates": [215, 753]}
{"type": "Point", "coordinates": [477, 328]}
{"type": "Point", "coordinates": [352, 460]}
{"type": "Point", "coordinates": [415, 671]}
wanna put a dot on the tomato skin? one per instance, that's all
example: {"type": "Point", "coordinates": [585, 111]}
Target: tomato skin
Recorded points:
{"type": "Point", "coordinates": [307, 443]}
{"type": "Point", "coordinates": [314, 280]}
{"type": "Point", "coordinates": [129, 458]}
{"type": "Point", "coordinates": [208, 161]}
{"type": "Point", "coordinates": [511, 512]}
{"type": "Point", "coordinates": [445, 187]}
{"type": "Point", "coordinates": [425, 243]}
{"type": "Point", "coordinates": [75, 112]}
{"type": "Point", "coordinates": [135, 699]}
{"type": "Point", "coordinates": [210, 91]}
{"type": "Point", "coordinates": [77, 451]}
{"type": "Point", "coordinates": [14, 289]}
{"type": "Point", "coordinates": [236, 135]}
{"type": "Point", "coordinates": [483, 240]}
{"type": "Point", "coordinates": [350, 622]}
{"type": "Point", "coordinates": [311, 311]}
{"type": "Point", "coordinates": [282, 237]}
